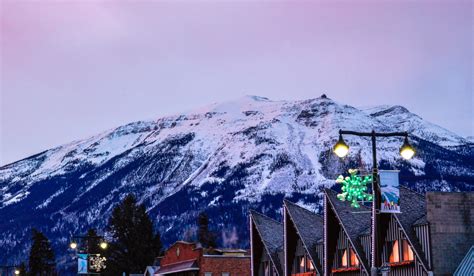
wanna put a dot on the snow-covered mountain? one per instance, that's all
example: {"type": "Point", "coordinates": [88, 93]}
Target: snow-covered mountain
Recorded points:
{"type": "Point", "coordinates": [224, 158]}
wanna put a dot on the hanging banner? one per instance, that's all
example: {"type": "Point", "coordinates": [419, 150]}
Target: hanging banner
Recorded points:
{"type": "Point", "coordinates": [82, 263]}
{"type": "Point", "coordinates": [390, 190]}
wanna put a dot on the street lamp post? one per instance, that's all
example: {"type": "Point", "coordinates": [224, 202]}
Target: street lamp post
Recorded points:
{"type": "Point", "coordinates": [15, 268]}
{"type": "Point", "coordinates": [96, 240]}
{"type": "Point", "coordinates": [341, 149]}
{"type": "Point", "coordinates": [99, 240]}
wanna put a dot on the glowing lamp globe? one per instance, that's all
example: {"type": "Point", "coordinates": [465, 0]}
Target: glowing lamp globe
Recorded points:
{"type": "Point", "coordinates": [407, 151]}
{"type": "Point", "coordinates": [103, 245]}
{"type": "Point", "coordinates": [17, 272]}
{"type": "Point", "coordinates": [73, 245]}
{"type": "Point", "coordinates": [341, 149]}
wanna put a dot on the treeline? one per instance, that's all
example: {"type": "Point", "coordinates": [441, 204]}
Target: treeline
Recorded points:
{"type": "Point", "coordinates": [133, 242]}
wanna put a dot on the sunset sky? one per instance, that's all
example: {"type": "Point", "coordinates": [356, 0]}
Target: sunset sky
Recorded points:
{"type": "Point", "coordinates": [71, 69]}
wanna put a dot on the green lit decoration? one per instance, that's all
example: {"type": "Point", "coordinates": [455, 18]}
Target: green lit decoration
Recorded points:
{"type": "Point", "coordinates": [354, 188]}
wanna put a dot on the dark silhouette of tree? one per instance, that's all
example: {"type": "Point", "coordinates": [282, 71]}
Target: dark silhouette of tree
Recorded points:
{"type": "Point", "coordinates": [135, 244]}
{"type": "Point", "coordinates": [189, 234]}
{"type": "Point", "coordinates": [158, 245]}
{"type": "Point", "coordinates": [205, 237]}
{"type": "Point", "coordinates": [22, 269]}
{"type": "Point", "coordinates": [93, 242]}
{"type": "Point", "coordinates": [42, 261]}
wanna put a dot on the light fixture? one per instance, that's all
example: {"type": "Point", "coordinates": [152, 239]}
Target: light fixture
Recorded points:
{"type": "Point", "coordinates": [17, 272]}
{"type": "Point", "coordinates": [341, 148]}
{"type": "Point", "coordinates": [73, 245]}
{"type": "Point", "coordinates": [103, 245]}
{"type": "Point", "coordinates": [407, 151]}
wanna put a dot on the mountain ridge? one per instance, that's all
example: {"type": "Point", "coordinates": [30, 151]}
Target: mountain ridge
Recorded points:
{"type": "Point", "coordinates": [368, 109]}
{"type": "Point", "coordinates": [223, 158]}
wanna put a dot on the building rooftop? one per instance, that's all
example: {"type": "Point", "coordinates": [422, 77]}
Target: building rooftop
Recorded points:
{"type": "Point", "coordinates": [271, 233]}
{"type": "Point", "coordinates": [354, 223]}
{"type": "Point", "coordinates": [310, 227]}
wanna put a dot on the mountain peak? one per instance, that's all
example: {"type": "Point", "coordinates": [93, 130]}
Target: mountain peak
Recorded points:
{"type": "Point", "coordinates": [224, 158]}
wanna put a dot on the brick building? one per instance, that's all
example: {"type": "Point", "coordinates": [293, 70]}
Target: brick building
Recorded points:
{"type": "Point", "coordinates": [451, 218]}
{"type": "Point", "coordinates": [190, 259]}
{"type": "Point", "coordinates": [431, 236]}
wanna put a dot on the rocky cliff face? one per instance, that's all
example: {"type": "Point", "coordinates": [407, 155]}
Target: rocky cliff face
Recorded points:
{"type": "Point", "coordinates": [224, 159]}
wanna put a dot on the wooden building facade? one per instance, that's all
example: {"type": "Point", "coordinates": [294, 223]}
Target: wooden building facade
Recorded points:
{"type": "Point", "coordinates": [340, 241]}
{"type": "Point", "coordinates": [405, 243]}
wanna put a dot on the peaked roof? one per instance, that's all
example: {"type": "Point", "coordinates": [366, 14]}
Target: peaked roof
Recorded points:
{"type": "Point", "coordinates": [354, 223]}
{"type": "Point", "coordinates": [309, 227]}
{"type": "Point", "coordinates": [271, 233]}
{"type": "Point", "coordinates": [421, 221]}
{"type": "Point", "coordinates": [413, 211]}
{"type": "Point", "coordinates": [467, 264]}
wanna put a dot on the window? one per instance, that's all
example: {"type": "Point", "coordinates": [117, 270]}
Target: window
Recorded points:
{"type": "Point", "coordinates": [309, 264]}
{"type": "Point", "coordinates": [343, 257]}
{"type": "Point", "coordinates": [225, 274]}
{"type": "Point", "coordinates": [400, 251]}
{"type": "Point", "coordinates": [348, 258]}
{"type": "Point", "coordinates": [395, 253]}
{"type": "Point", "coordinates": [407, 252]}
{"type": "Point", "coordinates": [266, 269]}
{"type": "Point", "coordinates": [298, 264]}
{"type": "Point", "coordinates": [207, 273]}
{"type": "Point", "coordinates": [301, 264]}
{"type": "Point", "coordinates": [354, 259]}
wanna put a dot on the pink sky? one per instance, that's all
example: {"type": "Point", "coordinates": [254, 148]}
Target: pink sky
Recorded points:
{"type": "Point", "coordinates": [70, 69]}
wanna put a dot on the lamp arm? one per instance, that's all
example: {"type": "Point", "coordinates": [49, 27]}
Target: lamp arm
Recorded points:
{"type": "Point", "coordinates": [377, 134]}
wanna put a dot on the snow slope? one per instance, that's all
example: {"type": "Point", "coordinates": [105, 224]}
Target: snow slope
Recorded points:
{"type": "Point", "coordinates": [223, 158]}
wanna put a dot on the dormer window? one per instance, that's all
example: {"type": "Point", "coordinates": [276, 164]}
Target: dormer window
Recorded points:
{"type": "Point", "coordinates": [266, 269]}
{"type": "Point", "coordinates": [395, 255]}
{"type": "Point", "coordinates": [348, 258]}
{"type": "Point", "coordinates": [354, 259]}
{"type": "Point", "coordinates": [309, 264]}
{"type": "Point", "coordinates": [400, 251]}
{"type": "Point", "coordinates": [301, 264]}
{"type": "Point", "coordinates": [407, 252]}
{"type": "Point", "coordinates": [344, 258]}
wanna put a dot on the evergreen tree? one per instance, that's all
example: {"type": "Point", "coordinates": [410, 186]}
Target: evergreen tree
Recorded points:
{"type": "Point", "coordinates": [205, 237]}
{"type": "Point", "coordinates": [93, 242]}
{"type": "Point", "coordinates": [22, 269]}
{"type": "Point", "coordinates": [42, 260]}
{"type": "Point", "coordinates": [135, 244]}
{"type": "Point", "coordinates": [189, 234]}
{"type": "Point", "coordinates": [157, 244]}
